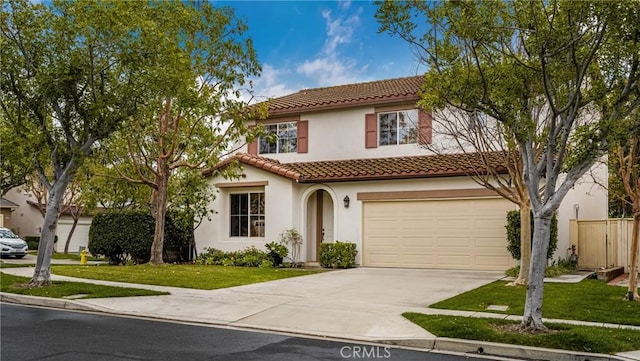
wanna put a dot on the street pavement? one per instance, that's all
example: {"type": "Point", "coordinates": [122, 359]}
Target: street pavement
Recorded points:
{"type": "Point", "coordinates": [364, 304]}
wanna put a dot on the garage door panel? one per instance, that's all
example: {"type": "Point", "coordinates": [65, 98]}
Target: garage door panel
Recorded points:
{"type": "Point", "coordinates": [454, 234]}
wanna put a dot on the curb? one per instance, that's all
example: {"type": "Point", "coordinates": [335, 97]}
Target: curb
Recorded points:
{"type": "Point", "coordinates": [470, 347]}
{"type": "Point", "coordinates": [517, 351]}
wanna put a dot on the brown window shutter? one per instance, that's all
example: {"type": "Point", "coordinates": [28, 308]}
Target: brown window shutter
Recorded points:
{"type": "Point", "coordinates": [303, 136]}
{"type": "Point", "coordinates": [425, 127]}
{"type": "Point", "coordinates": [371, 130]}
{"type": "Point", "coordinates": [252, 148]}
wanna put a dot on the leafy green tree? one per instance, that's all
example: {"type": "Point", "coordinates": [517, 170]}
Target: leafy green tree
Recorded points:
{"type": "Point", "coordinates": [625, 155]}
{"type": "Point", "coordinates": [556, 74]}
{"type": "Point", "coordinates": [72, 72]}
{"type": "Point", "coordinates": [195, 113]}
{"type": "Point", "coordinates": [15, 158]}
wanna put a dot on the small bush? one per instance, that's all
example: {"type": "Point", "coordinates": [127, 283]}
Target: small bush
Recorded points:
{"type": "Point", "coordinates": [248, 257]}
{"type": "Point", "coordinates": [513, 234]}
{"type": "Point", "coordinates": [34, 241]}
{"type": "Point", "coordinates": [277, 253]}
{"type": "Point", "coordinates": [338, 255]}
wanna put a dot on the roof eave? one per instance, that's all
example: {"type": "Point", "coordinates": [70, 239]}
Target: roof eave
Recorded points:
{"type": "Point", "coordinates": [343, 105]}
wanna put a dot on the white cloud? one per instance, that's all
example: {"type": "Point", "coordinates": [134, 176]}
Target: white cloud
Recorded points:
{"type": "Point", "coordinates": [330, 67]}
{"type": "Point", "coordinates": [271, 83]}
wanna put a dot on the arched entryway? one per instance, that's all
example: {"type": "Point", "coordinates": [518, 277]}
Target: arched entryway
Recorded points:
{"type": "Point", "coordinates": [320, 222]}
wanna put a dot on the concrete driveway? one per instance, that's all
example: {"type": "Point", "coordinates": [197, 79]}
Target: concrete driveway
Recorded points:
{"type": "Point", "coordinates": [360, 303]}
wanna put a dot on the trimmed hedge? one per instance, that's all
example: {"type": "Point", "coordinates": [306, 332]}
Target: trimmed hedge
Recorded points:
{"type": "Point", "coordinates": [34, 241]}
{"type": "Point", "coordinates": [338, 255]}
{"type": "Point", "coordinates": [128, 235]}
{"type": "Point", "coordinates": [248, 257]}
{"type": "Point", "coordinates": [513, 234]}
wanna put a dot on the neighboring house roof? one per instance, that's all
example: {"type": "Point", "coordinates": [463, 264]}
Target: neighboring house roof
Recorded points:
{"type": "Point", "coordinates": [341, 96]}
{"type": "Point", "coordinates": [425, 166]}
{"type": "Point", "coordinates": [68, 210]}
{"type": "Point", "coordinates": [5, 203]}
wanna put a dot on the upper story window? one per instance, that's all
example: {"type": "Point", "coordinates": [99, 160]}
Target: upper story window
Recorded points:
{"type": "Point", "coordinates": [400, 127]}
{"type": "Point", "coordinates": [285, 138]}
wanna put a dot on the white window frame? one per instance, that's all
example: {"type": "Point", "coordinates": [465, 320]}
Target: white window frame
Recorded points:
{"type": "Point", "coordinates": [409, 116]}
{"type": "Point", "coordinates": [281, 128]}
{"type": "Point", "coordinates": [250, 226]}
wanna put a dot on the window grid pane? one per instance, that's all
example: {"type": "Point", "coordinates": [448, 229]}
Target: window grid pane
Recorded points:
{"type": "Point", "coordinates": [286, 139]}
{"type": "Point", "coordinates": [246, 215]}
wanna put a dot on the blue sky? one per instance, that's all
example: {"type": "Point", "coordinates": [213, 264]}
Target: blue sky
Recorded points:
{"type": "Point", "coordinates": [309, 44]}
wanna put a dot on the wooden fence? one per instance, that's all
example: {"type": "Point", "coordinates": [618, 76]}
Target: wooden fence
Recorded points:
{"type": "Point", "coordinates": [602, 243]}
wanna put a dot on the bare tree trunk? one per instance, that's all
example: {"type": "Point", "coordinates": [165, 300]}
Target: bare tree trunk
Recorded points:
{"type": "Point", "coordinates": [68, 241]}
{"type": "Point", "coordinates": [532, 318]}
{"type": "Point", "coordinates": [42, 273]}
{"type": "Point", "coordinates": [525, 245]}
{"type": "Point", "coordinates": [632, 291]}
{"type": "Point", "coordinates": [160, 211]}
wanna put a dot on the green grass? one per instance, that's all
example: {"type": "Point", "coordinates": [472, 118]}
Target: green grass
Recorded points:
{"type": "Point", "coordinates": [589, 300]}
{"type": "Point", "coordinates": [74, 257]}
{"type": "Point", "coordinates": [187, 276]}
{"type": "Point", "coordinates": [14, 265]}
{"type": "Point", "coordinates": [59, 289]}
{"type": "Point", "coordinates": [566, 337]}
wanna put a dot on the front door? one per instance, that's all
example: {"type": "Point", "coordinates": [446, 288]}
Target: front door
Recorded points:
{"type": "Point", "coordinates": [320, 221]}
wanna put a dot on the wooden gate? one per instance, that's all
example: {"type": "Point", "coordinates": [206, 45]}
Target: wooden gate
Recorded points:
{"type": "Point", "coordinates": [602, 243]}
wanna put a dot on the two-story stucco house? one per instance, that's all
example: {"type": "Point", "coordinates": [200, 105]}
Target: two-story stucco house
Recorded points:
{"type": "Point", "coordinates": [350, 164]}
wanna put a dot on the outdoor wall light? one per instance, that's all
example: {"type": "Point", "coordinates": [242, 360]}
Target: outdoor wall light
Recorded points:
{"type": "Point", "coordinates": [346, 201]}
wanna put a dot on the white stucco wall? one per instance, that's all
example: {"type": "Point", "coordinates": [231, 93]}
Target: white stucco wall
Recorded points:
{"type": "Point", "coordinates": [26, 219]}
{"type": "Point", "coordinates": [279, 212]}
{"type": "Point", "coordinates": [340, 134]}
{"type": "Point", "coordinates": [287, 206]}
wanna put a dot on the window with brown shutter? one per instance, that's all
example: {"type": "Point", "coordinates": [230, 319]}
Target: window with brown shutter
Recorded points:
{"type": "Point", "coordinates": [425, 127]}
{"type": "Point", "coordinates": [252, 148]}
{"type": "Point", "coordinates": [303, 136]}
{"type": "Point", "coordinates": [371, 130]}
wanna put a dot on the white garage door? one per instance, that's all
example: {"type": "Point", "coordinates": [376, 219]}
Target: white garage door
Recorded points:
{"type": "Point", "coordinates": [452, 234]}
{"type": "Point", "coordinates": [80, 237]}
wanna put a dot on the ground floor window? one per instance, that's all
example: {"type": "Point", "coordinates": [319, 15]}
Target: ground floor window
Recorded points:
{"type": "Point", "coordinates": [247, 214]}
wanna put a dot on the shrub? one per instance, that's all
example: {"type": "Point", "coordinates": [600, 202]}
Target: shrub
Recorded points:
{"type": "Point", "coordinates": [128, 235]}
{"type": "Point", "coordinates": [34, 241]}
{"type": "Point", "coordinates": [277, 252]}
{"type": "Point", "coordinates": [248, 257]}
{"type": "Point", "coordinates": [513, 234]}
{"type": "Point", "coordinates": [338, 255]}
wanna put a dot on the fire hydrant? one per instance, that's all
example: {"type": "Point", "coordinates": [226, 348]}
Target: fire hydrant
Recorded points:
{"type": "Point", "coordinates": [83, 256]}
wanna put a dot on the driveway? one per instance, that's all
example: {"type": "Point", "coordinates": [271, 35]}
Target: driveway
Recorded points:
{"type": "Point", "coordinates": [360, 303]}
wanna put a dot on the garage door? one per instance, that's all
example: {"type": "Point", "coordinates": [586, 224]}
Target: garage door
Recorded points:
{"type": "Point", "coordinates": [452, 234]}
{"type": "Point", "coordinates": [80, 237]}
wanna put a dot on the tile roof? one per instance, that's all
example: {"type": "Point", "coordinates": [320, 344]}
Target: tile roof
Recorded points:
{"type": "Point", "coordinates": [426, 166]}
{"type": "Point", "coordinates": [375, 92]}
{"type": "Point", "coordinates": [5, 203]}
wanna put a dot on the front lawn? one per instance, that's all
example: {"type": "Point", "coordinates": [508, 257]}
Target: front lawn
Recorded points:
{"type": "Point", "coordinates": [74, 257]}
{"type": "Point", "coordinates": [187, 276]}
{"type": "Point", "coordinates": [562, 336]}
{"type": "Point", "coordinates": [58, 289]}
{"type": "Point", "coordinates": [589, 300]}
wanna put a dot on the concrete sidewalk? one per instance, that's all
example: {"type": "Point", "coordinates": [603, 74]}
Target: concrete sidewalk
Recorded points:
{"type": "Point", "coordinates": [363, 304]}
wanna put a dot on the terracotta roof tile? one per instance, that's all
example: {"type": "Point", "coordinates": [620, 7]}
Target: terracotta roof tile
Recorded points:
{"type": "Point", "coordinates": [375, 168]}
{"type": "Point", "coordinates": [378, 92]}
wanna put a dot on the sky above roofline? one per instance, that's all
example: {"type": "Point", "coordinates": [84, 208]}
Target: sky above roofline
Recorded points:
{"type": "Point", "coordinates": [310, 44]}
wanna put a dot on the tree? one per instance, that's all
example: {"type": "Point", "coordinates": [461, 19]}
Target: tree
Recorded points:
{"type": "Point", "coordinates": [72, 72]}
{"type": "Point", "coordinates": [556, 74]}
{"type": "Point", "coordinates": [626, 155]}
{"type": "Point", "coordinates": [495, 149]}
{"type": "Point", "coordinates": [15, 161]}
{"type": "Point", "coordinates": [195, 112]}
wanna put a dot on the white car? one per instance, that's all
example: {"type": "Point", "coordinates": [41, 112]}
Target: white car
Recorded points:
{"type": "Point", "coordinates": [12, 245]}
